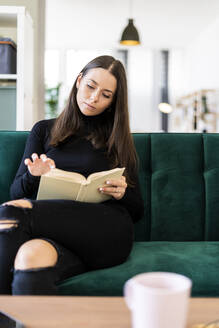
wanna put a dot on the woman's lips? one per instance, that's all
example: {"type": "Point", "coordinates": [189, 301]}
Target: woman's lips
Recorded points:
{"type": "Point", "coordinates": [91, 107]}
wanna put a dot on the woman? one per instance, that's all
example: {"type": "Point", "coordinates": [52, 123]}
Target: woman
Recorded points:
{"type": "Point", "coordinates": [45, 241]}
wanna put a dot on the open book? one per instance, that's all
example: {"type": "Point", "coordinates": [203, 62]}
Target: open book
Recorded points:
{"type": "Point", "coordinates": [60, 184]}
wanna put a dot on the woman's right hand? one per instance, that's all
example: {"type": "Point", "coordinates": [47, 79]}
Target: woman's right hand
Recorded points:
{"type": "Point", "coordinates": [40, 165]}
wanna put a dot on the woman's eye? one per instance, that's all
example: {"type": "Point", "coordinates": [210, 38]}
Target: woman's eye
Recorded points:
{"type": "Point", "coordinates": [90, 86]}
{"type": "Point", "coordinates": [106, 96]}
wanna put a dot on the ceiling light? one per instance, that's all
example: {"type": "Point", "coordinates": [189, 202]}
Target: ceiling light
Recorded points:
{"type": "Point", "coordinates": [165, 108]}
{"type": "Point", "coordinates": [130, 36]}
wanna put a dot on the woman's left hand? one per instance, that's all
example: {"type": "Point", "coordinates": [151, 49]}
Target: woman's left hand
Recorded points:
{"type": "Point", "coordinates": [115, 188]}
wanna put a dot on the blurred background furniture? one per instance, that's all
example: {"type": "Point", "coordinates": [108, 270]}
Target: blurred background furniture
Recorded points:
{"type": "Point", "coordinates": [16, 90]}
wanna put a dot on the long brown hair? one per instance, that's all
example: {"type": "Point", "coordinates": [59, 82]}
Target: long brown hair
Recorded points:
{"type": "Point", "coordinates": [114, 130]}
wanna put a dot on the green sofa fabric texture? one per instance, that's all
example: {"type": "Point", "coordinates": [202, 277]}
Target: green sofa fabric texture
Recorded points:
{"type": "Point", "coordinates": [196, 260]}
{"type": "Point", "coordinates": [12, 145]}
{"type": "Point", "coordinates": [179, 177]}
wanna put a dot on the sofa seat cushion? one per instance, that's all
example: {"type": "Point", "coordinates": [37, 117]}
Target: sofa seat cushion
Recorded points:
{"type": "Point", "coordinates": [196, 260]}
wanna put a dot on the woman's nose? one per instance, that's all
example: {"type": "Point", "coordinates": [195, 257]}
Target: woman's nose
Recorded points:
{"type": "Point", "coordinates": [95, 96]}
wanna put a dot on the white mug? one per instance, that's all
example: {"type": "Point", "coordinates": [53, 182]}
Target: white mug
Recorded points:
{"type": "Point", "coordinates": [158, 299]}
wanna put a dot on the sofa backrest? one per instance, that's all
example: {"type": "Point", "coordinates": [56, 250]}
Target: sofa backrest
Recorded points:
{"type": "Point", "coordinates": [12, 145]}
{"type": "Point", "coordinates": [179, 177]}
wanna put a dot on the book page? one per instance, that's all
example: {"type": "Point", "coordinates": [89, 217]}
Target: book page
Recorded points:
{"type": "Point", "coordinates": [90, 193]}
{"type": "Point", "coordinates": [65, 175]}
{"type": "Point", "coordinates": [107, 173]}
{"type": "Point", "coordinates": [51, 188]}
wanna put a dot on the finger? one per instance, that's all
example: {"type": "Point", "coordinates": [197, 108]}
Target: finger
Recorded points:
{"type": "Point", "coordinates": [51, 163]}
{"type": "Point", "coordinates": [34, 157]}
{"type": "Point", "coordinates": [111, 190]}
{"type": "Point", "coordinates": [117, 183]}
{"type": "Point", "coordinates": [43, 157]}
{"type": "Point", "coordinates": [116, 195]}
{"type": "Point", "coordinates": [27, 161]}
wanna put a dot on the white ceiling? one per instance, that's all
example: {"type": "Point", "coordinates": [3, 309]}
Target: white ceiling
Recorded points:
{"type": "Point", "coordinates": [99, 23]}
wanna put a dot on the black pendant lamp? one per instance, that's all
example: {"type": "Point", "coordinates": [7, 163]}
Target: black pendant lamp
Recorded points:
{"type": "Point", "coordinates": [130, 35]}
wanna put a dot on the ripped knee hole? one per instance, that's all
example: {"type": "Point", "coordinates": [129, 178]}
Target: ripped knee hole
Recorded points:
{"type": "Point", "coordinates": [7, 224]}
{"type": "Point", "coordinates": [23, 203]}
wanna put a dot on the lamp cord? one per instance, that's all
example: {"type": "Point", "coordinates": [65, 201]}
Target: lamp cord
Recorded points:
{"type": "Point", "coordinates": [130, 9]}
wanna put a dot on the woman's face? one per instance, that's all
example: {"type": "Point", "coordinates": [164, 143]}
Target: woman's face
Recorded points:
{"type": "Point", "coordinates": [95, 91]}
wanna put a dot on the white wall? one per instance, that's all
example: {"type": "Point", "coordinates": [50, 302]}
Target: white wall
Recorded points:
{"type": "Point", "coordinates": [99, 23]}
{"type": "Point", "coordinates": [202, 60]}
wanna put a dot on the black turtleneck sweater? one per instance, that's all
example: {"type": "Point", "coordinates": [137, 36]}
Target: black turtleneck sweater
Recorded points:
{"type": "Point", "coordinates": [76, 154]}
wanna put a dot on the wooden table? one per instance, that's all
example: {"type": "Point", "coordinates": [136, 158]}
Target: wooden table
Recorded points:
{"type": "Point", "coordinates": [90, 312]}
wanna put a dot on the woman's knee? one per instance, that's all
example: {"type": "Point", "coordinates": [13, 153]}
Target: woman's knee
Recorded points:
{"type": "Point", "coordinates": [35, 253]}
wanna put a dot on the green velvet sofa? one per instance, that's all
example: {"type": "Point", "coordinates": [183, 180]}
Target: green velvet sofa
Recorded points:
{"type": "Point", "coordinates": [179, 175]}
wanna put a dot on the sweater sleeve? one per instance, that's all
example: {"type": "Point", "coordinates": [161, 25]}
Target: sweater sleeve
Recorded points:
{"type": "Point", "coordinates": [133, 202]}
{"type": "Point", "coordinates": [25, 184]}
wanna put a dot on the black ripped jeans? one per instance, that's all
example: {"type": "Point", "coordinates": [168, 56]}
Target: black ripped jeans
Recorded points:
{"type": "Point", "coordinates": [86, 237]}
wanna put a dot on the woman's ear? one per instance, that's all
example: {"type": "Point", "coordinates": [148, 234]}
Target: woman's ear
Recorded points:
{"type": "Point", "coordinates": [78, 80]}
